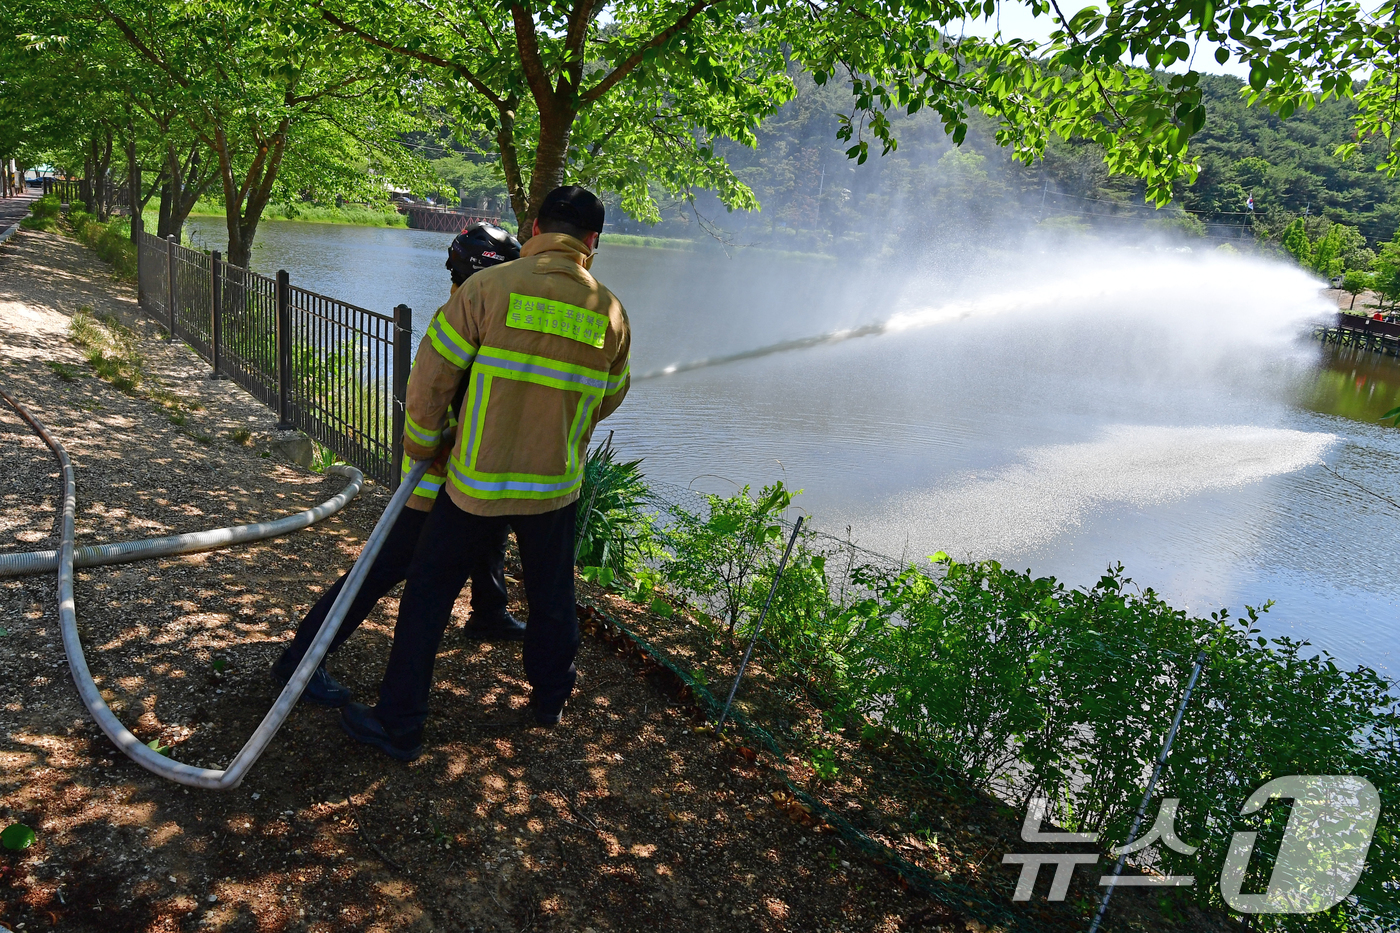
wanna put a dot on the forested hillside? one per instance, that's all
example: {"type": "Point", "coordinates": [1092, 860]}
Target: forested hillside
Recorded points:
{"type": "Point", "coordinates": [1288, 165]}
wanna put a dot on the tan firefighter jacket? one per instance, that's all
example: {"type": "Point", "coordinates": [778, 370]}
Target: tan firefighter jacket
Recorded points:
{"type": "Point", "coordinates": [544, 349]}
{"type": "Point", "coordinates": [426, 492]}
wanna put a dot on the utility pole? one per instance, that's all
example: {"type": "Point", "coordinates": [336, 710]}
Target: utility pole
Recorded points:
{"type": "Point", "coordinates": [1044, 189]}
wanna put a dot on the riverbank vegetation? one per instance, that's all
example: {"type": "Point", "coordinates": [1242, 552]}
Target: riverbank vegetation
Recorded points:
{"type": "Point", "coordinates": [1016, 683]}
{"type": "Point", "coordinates": [361, 215]}
{"type": "Point", "coordinates": [931, 195]}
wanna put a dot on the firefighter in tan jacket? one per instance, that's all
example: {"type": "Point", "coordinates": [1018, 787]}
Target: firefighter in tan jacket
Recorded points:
{"type": "Point", "coordinates": [543, 348]}
{"type": "Point", "coordinates": [478, 247]}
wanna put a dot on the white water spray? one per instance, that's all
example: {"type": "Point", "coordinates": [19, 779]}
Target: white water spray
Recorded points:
{"type": "Point", "coordinates": [1230, 302]}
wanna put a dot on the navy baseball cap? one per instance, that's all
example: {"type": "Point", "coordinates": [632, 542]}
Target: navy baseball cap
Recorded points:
{"type": "Point", "coordinates": [573, 205]}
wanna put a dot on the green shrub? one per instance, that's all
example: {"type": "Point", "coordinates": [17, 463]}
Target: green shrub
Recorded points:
{"type": "Point", "coordinates": [614, 525]}
{"type": "Point", "coordinates": [716, 557]}
{"type": "Point", "coordinates": [1030, 688]}
{"type": "Point", "coordinates": [322, 458]}
{"type": "Point", "coordinates": [111, 241]}
{"type": "Point", "coordinates": [43, 214]}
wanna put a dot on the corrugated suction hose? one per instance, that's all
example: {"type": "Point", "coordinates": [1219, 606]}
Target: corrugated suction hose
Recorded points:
{"type": "Point", "coordinates": [67, 557]}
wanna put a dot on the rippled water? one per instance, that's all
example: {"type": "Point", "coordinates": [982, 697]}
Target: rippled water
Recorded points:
{"type": "Point", "coordinates": [1059, 412]}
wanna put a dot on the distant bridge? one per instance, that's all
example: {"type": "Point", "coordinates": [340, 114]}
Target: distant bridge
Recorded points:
{"type": "Point", "coordinates": [442, 219]}
{"type": "Point", "coordinates": [1364, 333]}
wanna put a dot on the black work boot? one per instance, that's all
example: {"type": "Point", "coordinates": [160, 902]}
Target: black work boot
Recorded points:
{"type": "Point", "coordinates": [362, 724]}
{"type": "Point", "coordinates": [506, 627]}
{"type": "Point", "coordinates": [547, 713]}
{"type": "Point", "coordinates": [322, 689]}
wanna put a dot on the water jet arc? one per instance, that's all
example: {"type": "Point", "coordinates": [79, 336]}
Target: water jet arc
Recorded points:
{"type": "Point", "coordinates": [784, 346]}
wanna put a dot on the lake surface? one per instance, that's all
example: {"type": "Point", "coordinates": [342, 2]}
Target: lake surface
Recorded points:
{"type": "Point", "coordinates": [1061, 411]}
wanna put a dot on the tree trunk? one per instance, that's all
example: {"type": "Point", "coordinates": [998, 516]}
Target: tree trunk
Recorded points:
{"type": "Point", "coordinates": [89, 168]}
{"type": "Point", "coordinates": [133, 186]}
{"type": "Point", "coordinates": [243, 206]}
{"type": "Point", "coordinates": [194, 181]}
{"type": "Point", "coordinates": [104, 174]}
{"type": "Point", "coordinates": [167, 197]}
{"type": "Point", "coordinates": [551, 158]}
{"type": "Point", "coordinates": [95, 183]}
{"type": "Point", "coordinates": [240, 249]}
{"type": "Point", "coordinates": [510, 167]}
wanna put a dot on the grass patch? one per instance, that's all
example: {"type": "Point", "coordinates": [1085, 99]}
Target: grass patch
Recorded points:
{"type": "Point", "coordinates": [322, 458]}
{"type": "Point", "coordinates": [351, 214]}
{"type": "Point", "coordinates": [649, 242]}
{"type": "Point", "coordinates": [111, 350]}
{"type": "Point", "coordinates": [64, 371]}
{"type": "Point", "coordinates": [241, 436]}
{"type": "Point", "coordinates": [111, 241]}
{"type": "Point", "coordinates": [709, 245]}
{"type": "Point", "coordinates": [43, 214]}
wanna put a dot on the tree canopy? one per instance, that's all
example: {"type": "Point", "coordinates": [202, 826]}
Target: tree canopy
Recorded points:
{"type": "Point", "coordinates": [639, 97]}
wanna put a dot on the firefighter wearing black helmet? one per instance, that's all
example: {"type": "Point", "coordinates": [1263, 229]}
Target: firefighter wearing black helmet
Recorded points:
{"type": "Point", "coordinates": [542, 347]}
{"type": "Point", "coordinates": [478, 247]}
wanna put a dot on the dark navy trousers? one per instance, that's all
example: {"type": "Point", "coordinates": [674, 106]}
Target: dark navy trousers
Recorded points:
{"type": "Point", "coordinates": [389, 569]}
{"type": "Point", "coordinates": [451, 543]}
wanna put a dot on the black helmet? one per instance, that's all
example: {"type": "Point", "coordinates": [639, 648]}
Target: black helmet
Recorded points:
{"type": "Point", "coordinates": [479, 246]}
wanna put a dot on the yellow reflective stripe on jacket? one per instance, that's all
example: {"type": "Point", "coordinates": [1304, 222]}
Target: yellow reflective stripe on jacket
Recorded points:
{"type": "Point", "coordinates": [429, 486]}
{"type": "Point", "coordinates": [511, 485]}
{"type": "Point", "coordinates": [452, 345]}
{"type": "Point", "coordinates": [616, 382]}
{"type": "Point", "coordinates": [541, 370]}
{"type": "Point", "coordinates": [419, 434]}
{"type": "Point", "coordinates": [495, 363]}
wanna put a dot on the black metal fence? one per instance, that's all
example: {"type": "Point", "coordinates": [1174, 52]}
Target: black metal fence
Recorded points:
{"type": "Point", "coordinates": [68, 189]}
{"type": "Point", "coordinates": [332, 370]}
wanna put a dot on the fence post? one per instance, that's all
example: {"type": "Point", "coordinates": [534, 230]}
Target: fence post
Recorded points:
{"type": "Point", "coordinates": [403, 361]}
{"type": "Point", "coordinates": [284, 350]}
{"type": "Point", "coordinates": [216, 313]}
{"type": "Point", "coordinates": [140, 279]}
{"type": "Point", "coordinates": [170, 281]}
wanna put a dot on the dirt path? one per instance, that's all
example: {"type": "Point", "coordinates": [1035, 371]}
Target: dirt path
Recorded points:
{"type": "Point", "coordinates": [624, 818]}
{"type": "Point", "coordinates": [12, 210]}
